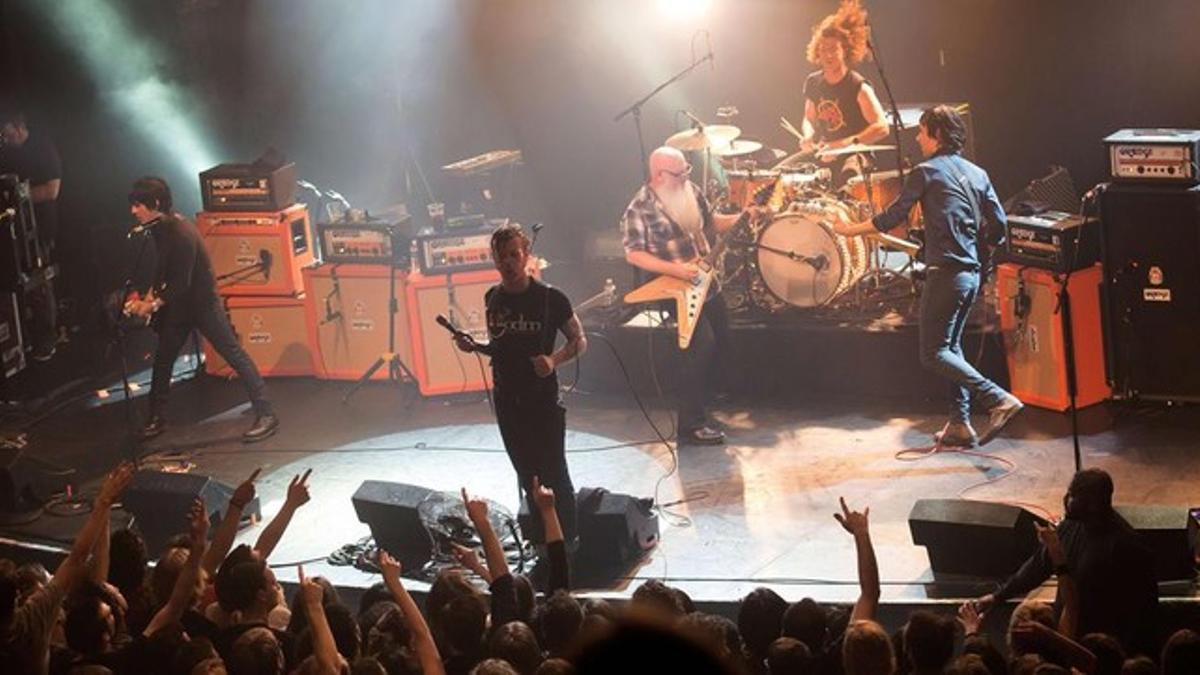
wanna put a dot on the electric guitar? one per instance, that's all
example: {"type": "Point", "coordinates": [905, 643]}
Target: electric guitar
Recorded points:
{"type": "Point", "coordinates": [690, 295]}
{"type": "Point", "coordinates": [141, 322]}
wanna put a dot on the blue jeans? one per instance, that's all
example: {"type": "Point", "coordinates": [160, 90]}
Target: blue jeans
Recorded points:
{"type": "Point", "coordinates": [945, 304]}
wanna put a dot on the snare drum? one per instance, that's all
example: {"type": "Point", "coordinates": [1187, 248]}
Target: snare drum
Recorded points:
{"type": "Point", "coordinates": [803, 262]}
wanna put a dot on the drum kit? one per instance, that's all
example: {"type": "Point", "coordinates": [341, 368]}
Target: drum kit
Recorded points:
{"type": "Point", "coordinates": [790, 256]}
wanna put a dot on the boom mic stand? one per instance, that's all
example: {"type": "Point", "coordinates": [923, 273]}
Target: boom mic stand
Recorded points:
{"type": "Point", "coordinates": [636, 108]}
{"type": "Point", "coordinates": [397, 369]}
{"type": "Point", "coordinates": [133, 440]}
{"type": "Point", "coordinates": [896, 122]}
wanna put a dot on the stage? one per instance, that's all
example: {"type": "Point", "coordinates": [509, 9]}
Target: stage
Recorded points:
{"type": "Point", "coordinates": [757, 511]}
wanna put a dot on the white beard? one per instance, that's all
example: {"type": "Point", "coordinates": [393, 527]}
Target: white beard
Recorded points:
{"type": "Point", "coordinates": [680, 204]}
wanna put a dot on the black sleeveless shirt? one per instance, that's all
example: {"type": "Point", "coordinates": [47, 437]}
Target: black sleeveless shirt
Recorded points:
{"type": "Point", "coordinates": [838, 113]}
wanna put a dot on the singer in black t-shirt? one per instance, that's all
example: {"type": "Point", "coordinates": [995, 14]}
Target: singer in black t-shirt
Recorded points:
{"type": "Point", "coordinates": [524, 318]}
{"type": "Point", "coordinates": [184, 298]}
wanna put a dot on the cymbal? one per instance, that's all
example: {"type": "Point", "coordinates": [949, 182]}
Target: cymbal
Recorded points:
{"type": "Point", "coordinates": [736, 148]}
{"type": "Point", "coordinates": [704, 137]}
{"type": "Point", "coordinates": [853, 150]}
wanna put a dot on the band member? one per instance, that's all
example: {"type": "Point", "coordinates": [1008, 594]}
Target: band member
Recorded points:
{"type": "Point", "coordinates": [960, 207]}
{"type": "Point", "coordinates": [524, 317]}
{"type": "Point", "coordinates": [840, 106]}
{"type": "Point", "coordinates": [183, 298]}
{"type": "Point", "coordinates": [665, 231]}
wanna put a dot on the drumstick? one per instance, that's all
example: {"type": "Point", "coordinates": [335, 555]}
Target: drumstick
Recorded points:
{"type": "Point", "coordinates": [787, 126]}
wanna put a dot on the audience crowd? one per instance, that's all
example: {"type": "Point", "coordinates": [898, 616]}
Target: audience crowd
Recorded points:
{"type": "Point", "coordinates": [208, 607]}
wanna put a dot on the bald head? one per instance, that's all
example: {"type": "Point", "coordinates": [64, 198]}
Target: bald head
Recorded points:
{"type": "Point", "coordinates": [667, 163]}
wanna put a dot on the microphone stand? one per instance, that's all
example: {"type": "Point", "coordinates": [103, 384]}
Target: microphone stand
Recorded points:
{"type": "Point", "coordinates": [636, 108]}
{"type": "Point", "coordinates": [895, 109]}
{"type": "Point", "coordinates": [133, 440]}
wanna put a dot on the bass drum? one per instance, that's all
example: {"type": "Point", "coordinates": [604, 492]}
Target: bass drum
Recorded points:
{"type": "Point", "coordinates": [803, 262]}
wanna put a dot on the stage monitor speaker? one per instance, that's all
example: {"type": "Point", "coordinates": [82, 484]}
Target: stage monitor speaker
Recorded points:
{"type": "Point", "coordinates": [390, 510]}
{"type": "Point", "coordinates": [346, 309]}
{"type": "Point", "coordinates": [966, 538]}
{"type": "Point", "coordinates": [1151, 242]}
{"type": "Point", "coordinates": [614, 529]}
{"type": "Point", "coordinates": [272, 330]}
{"type": "Point", "coordinates": [438, 365]}
{"type": "Point", "coordinates": [160, 501]}
{"type": "Point", "coordinates": [1034, 340]}
{"type": "Point", "coordinates": [26, 484]}
{"type": "Point", "coordinates": [258, 253]}
{"type": "Point", "coordinates": [1171, 532]}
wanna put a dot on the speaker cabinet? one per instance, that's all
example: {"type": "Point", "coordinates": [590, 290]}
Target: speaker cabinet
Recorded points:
{"type": "Point", "coordinates": [438, 365]}
{"type": "Point", "coordinates": [966, 538]}
{"type": "Point", "coordinates": [614, 529]}
{"type": "Point", "coordinates": [12, 344]}
{"type": "Point", "coordinates": [346, 308]}
{"type": "Point", "coordinates": [258, 253]}
{"type": "Point", "coordinates": [1171, 532]}
{"type": "Point", "coordinates": [272, 330]}
{"type": "Point", "coordinates": [159, 503]}
{"type": "Point", "coordinates": [1034, 340]}
{"type": "Point", "coordinates": [1151, 242]}
{"type": "Point", "coordinates": [390, 510]}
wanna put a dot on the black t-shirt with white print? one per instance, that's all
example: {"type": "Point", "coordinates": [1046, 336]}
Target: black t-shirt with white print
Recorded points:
{"type": "Point", "coordinates": [521, 326]}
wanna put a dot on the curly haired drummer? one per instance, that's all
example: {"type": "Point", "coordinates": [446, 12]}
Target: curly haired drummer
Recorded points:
{"type": "Point", "coordinates": [840, 106]}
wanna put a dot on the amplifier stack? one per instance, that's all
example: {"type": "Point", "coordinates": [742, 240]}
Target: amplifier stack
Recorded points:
{"type": "Point", "coordinates": [259, 242]}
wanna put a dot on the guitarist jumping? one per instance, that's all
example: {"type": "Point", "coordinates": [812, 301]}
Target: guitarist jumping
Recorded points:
{"type": "Point", "coordinates": [666, 231]}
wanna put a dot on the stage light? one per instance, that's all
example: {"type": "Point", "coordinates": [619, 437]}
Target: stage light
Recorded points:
{"type": "Point", "coordinates": [126, 65]}
{"type": "Point", "coordinates": [683, 9]}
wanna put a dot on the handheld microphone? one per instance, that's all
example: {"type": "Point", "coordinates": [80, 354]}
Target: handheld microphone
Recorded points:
{"type": "Point", "coordinates": [264, 262]}
{"type": "Point", "coordinates": [445, 323]}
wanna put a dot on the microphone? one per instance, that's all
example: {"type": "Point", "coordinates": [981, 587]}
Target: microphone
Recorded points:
{"type": "Point", "coordinates": [445, 323]}
{"type": "Point", "coordinates": [264, 262]}
{"type": "Point", "coordinates": [1087, 197]}
{"type": "Point", "coordinates": [695, 120]}
{"type": "Point", "coordinates": [819, 263]}
{"type": "Point", "coordinates": [141, 227]}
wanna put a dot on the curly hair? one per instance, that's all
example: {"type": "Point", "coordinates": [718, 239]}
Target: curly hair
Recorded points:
{"type": "Point", "coordinates": [847, 25]}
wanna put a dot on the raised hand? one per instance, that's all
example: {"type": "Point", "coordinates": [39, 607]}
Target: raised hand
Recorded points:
{"type": "Point", "coordinates": [389, 566]}
{"type": "Point", "coordinates": [115, 484]}
{"type": "Point", "coordinates": [297, 492]}
{"type": "Point", "coordinates": [310, 591]}
{"type": "Point", "coordinates": [198, 523]}
{"type": "Point", "coordinates": [970, 617]}
{"type": "Point", "coordinates": [542, 495]}
{"type": "Point", "coordinates": [477, 508]}
{"type": "Point", "coordinates": [1049, 537]}
{"type": "Point", "coordinates": [854, 522]}
{"type": "Point", "coordinates": [244, 493]}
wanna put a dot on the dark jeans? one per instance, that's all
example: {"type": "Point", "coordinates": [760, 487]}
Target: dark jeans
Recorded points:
{"type": "Point", "coordinates": [534, 430]}
{"type": "Point", "coordinates": [210, 320]}
{"type": "Point", "coordinates": [702, 364]}
{"type": "Point", "coordinates": [945, 304]}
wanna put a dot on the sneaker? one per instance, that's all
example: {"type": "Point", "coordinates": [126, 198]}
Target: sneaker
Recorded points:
{"type": "Point", "coordinates": [155, 427]}
{"type": "Point", "coordinates": [1000, 416]}
{"type": "Point", "coordinates": [956, 435]}
{"type": "Point", "coordinates": [264, 427]}
{"type": "Point", "coordinates": [704, 435]}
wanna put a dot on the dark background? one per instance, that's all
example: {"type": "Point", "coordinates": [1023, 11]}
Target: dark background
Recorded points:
{"type": "Point", "coordinates": [361, 92]}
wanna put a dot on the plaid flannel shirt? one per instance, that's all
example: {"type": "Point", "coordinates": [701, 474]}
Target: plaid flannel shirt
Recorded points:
{"type": "Point", "coordinates": [647, 227]}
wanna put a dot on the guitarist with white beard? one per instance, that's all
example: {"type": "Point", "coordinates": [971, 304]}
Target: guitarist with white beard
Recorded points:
{"type": "Point", "coordinates": [665, 231]}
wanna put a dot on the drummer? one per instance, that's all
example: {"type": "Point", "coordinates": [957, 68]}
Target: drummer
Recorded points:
{"type": "Point", "coordinates": [840, 106]}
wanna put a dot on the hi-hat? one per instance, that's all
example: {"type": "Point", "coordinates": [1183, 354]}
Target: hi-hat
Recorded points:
{"type": "Point", "coordinates": [704, 137]}
{"type": "Point", "coordinates": [736, 148]}
{"type": "Point", "coordinates": [853, 150]}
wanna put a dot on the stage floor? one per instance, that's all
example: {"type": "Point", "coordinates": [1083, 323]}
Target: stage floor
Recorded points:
{"type": "Point", "coordinates": [757, 511]}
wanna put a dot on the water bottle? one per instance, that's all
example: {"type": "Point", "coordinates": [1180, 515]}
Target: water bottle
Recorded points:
{"type": "Point", "coordinates": [414, 265]}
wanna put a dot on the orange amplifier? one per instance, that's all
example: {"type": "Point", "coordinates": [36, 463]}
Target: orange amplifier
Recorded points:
{"type": "Point", "coordinates": [257, 253]}
{"type": "Point", "coordinates": [272, 331]}
{"type": "Point", "coordinates": [346, 312]}
{"type": "Point", "coordinates": [439, 366]}
{"type": "Point", "coordinates": [1033, 335]}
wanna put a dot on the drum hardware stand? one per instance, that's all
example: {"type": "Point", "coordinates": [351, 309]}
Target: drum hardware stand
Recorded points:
{"type": "Point", "coordinates": [894, 110]}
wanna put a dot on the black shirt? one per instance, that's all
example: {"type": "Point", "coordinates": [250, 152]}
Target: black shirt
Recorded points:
{"type": "Point", "coordinates": [37, 161]}
{"type": "Point", "coordinates": [521, 326]}
{"type": "Point", "coordinates": [838, 113]}
{"type": "Point", "coordinates": [184, 276]}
